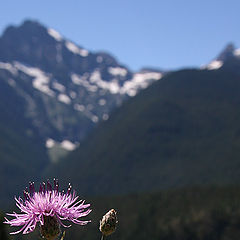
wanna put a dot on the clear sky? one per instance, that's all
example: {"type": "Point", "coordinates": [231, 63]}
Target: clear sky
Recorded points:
{"type": "Point", "coordinates": [166, 34]}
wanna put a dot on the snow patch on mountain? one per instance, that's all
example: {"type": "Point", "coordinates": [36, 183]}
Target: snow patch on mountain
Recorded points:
{"type": "Point", "coordinates": [68, 145]}
{"type": "Point", "coordinates": [92, 82]}
{"type": "Point", "coordinates": [117, 71]}
{"type": "Point", "coordinates": [49, 143]}
{"type": "Point", "coordinates": [9, 67]}
{"type": "Point", "coordinates": [83, 81]}
{"type": "Point", "coordinates": [76, 50]}
{"type": "Point", "coordinates": [11, 82]}
{"type": "Point", "coordinates": [112, 86]}
{"type": "Point", "coordinates": [130, 87]}
{"type": "Point", "coordinates": [76, 79]}
{"type": "Point", "coordinates": [59, 87]}
{"type": "Point", "coordinates": [73, 95]}
{"type": "Point", "coordinates": [79, 107]}
{"type": "Point", "coordinates": [65, 144]}
{"type": "Point", "coordinates": [56, 35]}
{"type": "Point", "coordinates": [41, 79]}
{"type": "Point", "coordinates": [139, 81]}
{"type": "Point", "coordinates": [105, 116]}
{"type": "Point", "coordinates": [64, 98]}
{"type": "Point", "coordinates": [94, 118]}
{"type": "Point", "coordinates": [215, 64]}
{"type": "Point", "coordinates": [102, 102]}
{"type": "Point", "coordinates": [237, 52]}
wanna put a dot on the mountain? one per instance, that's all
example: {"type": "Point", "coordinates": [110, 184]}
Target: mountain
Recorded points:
{"type": "Point", "coordinates": [229, 59]}
{"type": "Point", "coordinates": [137, 134]}
{"type": "Point", "coordinates": [22, 157]}
{"type": "Point", "coordinates": [52, 94]}
{"type": "Point", "coordinates": [65, 88]}
{"type": "Point", "coordinates": [182, 130]}
{"type": "Point", "coordinates": [55, 93]}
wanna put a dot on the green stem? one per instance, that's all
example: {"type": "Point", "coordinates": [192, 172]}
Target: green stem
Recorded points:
{"type": "Point", "coordinates": [63, 235]}
{"type": "Point", "coordinates": [102, 238]}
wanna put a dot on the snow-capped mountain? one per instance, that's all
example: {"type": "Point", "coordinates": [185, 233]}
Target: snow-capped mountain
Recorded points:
{"type": "Point", "coordinates": [229, 57]}
{"type": "Point", "coordinates": [66, 89]}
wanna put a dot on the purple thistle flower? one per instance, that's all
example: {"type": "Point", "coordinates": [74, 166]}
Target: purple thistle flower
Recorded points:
{"type": "Point", "coordinates": [49, 208]}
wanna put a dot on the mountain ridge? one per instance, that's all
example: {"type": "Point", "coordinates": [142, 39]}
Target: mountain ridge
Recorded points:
{"type": "Point", "coordinates": [92, 84]}
{"type": "Point", "coordinates": [53, 93]}
{"type": "Point", "coordinates": [181, 131]}
{"type": "Point", "coordinates": [56, 93]}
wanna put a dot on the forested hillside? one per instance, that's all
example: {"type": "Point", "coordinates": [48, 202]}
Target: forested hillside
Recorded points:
{"type": "Point", "coordinates": [183, 130]}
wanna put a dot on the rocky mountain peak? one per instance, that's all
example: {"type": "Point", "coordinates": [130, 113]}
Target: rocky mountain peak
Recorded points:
{"type": "Point", "coordinates": [227, 53]}
{"type": "Point", "coordinates": [66, 89]}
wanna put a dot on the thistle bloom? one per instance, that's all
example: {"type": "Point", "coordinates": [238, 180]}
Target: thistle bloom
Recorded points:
{"type": "Point", "coordinates": [49, 208]}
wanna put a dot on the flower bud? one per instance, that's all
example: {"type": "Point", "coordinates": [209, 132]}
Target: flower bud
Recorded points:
{"type": "Point", "coordinates": [108, 224]}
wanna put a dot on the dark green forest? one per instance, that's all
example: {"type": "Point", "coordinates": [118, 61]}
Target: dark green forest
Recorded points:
{"type": "Point", "coordinates": [183, 130]}
{"type": "Point", "coordinates": [210, 213]}
{"type": "Point", "coordinates": [22, 156]}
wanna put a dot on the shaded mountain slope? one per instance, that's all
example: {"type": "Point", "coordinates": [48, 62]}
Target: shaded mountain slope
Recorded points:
{"type": "Point", "coordinates": [65, 88]}
{"type": "Point", "coordinates": [22, 157]}
{"type": "Point", "coordinates": [182, 130]}
{"type": "Point", "coordinates": [52, 94]}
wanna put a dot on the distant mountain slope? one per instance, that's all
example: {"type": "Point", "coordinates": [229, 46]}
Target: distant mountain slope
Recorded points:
{"type": "Point", "coordinates": [52, 90]}
{"type": "Point", "coordinates": [65, 88]}
{"type": "Point", "coordinates": [22, 157]}
{"type": "Point", "coordinates": [228, 59]}
{"type": "Point", "coordinates": [182, 130]}
{"type": "Point", "coordinates": [52, 94]}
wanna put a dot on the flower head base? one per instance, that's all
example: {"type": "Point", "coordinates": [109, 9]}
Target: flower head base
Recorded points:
{"type": "Point", "coordinates": [108, 224]}
{"type": "Point", "coordinates": [51, 228]}
{"type": "Point", "coordinates": [49, 208]}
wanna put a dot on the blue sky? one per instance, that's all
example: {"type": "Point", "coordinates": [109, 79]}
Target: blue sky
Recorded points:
{"type": "Point", "coordinates": [168, 34]}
